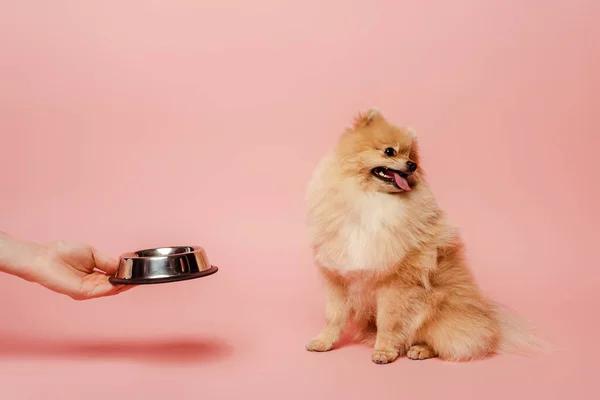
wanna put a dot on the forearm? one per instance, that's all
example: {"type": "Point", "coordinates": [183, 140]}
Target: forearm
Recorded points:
{"type": "Point", "coordinates": [7, 259]}
{"type": "Point", "coordinates": [15, 255]}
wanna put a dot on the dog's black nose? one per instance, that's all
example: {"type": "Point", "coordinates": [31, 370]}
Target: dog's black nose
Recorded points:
{"type": "Point", "coordinates": [412, 167]}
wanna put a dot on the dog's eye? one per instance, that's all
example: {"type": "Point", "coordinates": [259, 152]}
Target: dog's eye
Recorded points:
{"type": "Point", "coordinates": [390, 152]}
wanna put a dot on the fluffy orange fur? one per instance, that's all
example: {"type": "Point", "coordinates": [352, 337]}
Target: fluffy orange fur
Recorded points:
{"type": "Point", "coordinates": [392, 263]}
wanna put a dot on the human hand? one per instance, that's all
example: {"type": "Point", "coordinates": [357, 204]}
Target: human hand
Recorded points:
{"type": "Point", "coordinates": [74, 269]}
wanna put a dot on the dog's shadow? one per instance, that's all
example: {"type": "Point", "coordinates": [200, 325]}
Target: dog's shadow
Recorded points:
{"type": "Point", "coordinates": [155, 350]}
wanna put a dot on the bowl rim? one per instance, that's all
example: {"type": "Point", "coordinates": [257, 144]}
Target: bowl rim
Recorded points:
{"type": "Point", "coordinates": [135, 254]}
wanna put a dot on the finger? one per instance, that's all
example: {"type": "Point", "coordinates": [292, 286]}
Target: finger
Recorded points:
{"type": "Point", "coordinates": [97, 285]}
{"type": "Point", "coordinates": [104, 263]}
{"type": "Point", "coordinates": [124, 288]}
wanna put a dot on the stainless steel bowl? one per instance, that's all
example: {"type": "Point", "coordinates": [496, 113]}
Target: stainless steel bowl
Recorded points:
{"type": "Point", "coordinates": [161, 265]}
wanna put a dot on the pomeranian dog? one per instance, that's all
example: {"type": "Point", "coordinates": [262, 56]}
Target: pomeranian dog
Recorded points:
{"type": "Point", "coordinates": [393, 265]}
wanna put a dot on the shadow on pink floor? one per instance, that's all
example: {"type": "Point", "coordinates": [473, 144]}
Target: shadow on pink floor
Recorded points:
{"type": "Point", "coordinates": [157, 350]}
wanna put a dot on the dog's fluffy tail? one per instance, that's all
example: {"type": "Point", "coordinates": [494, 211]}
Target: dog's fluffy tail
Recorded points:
{"type": "Point", "coordinates": [517, 335]}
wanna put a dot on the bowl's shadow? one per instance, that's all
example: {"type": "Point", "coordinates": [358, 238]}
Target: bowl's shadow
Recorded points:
{"type": "Point", "coordinates": [156, 350]}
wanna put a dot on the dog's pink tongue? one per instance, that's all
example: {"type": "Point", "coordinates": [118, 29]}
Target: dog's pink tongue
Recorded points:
{"type": "Point", "coordinates": [401, 181]}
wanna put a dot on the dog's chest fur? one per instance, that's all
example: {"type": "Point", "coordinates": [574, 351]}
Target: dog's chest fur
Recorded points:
{"type": "Point", "coordinates": [359, 231]}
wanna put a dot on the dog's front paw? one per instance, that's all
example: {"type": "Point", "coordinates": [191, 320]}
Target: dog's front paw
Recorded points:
{"type": "Point", "coordinates": [318, 345]}
{"type": "Point", "coordinates": [420, 352]}
{"type": "Point", "coordinates": [384, 356]}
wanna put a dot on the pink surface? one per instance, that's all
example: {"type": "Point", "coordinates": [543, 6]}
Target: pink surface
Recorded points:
{"type": "Point", "coordinates": [133, 124]}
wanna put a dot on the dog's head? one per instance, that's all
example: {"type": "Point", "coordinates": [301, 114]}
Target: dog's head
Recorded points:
{"type": "Point", "coordinates": [384, 157]}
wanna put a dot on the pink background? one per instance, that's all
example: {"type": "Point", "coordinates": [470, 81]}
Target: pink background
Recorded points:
{"type": "Point", "coordinates": [129, 124]}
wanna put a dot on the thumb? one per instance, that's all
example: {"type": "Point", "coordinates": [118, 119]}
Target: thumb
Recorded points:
{"type": "Point", "coordinates": [105, 263]}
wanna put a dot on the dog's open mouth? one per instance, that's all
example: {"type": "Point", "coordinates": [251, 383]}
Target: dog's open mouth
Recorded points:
{"type": "Point", "coordinates": [397, 178]}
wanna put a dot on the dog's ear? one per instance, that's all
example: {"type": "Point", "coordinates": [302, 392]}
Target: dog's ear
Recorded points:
{"type": "Point", "coordinates": [414, 148]}
{"type": "Point", "coordinates": [368, 118]}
